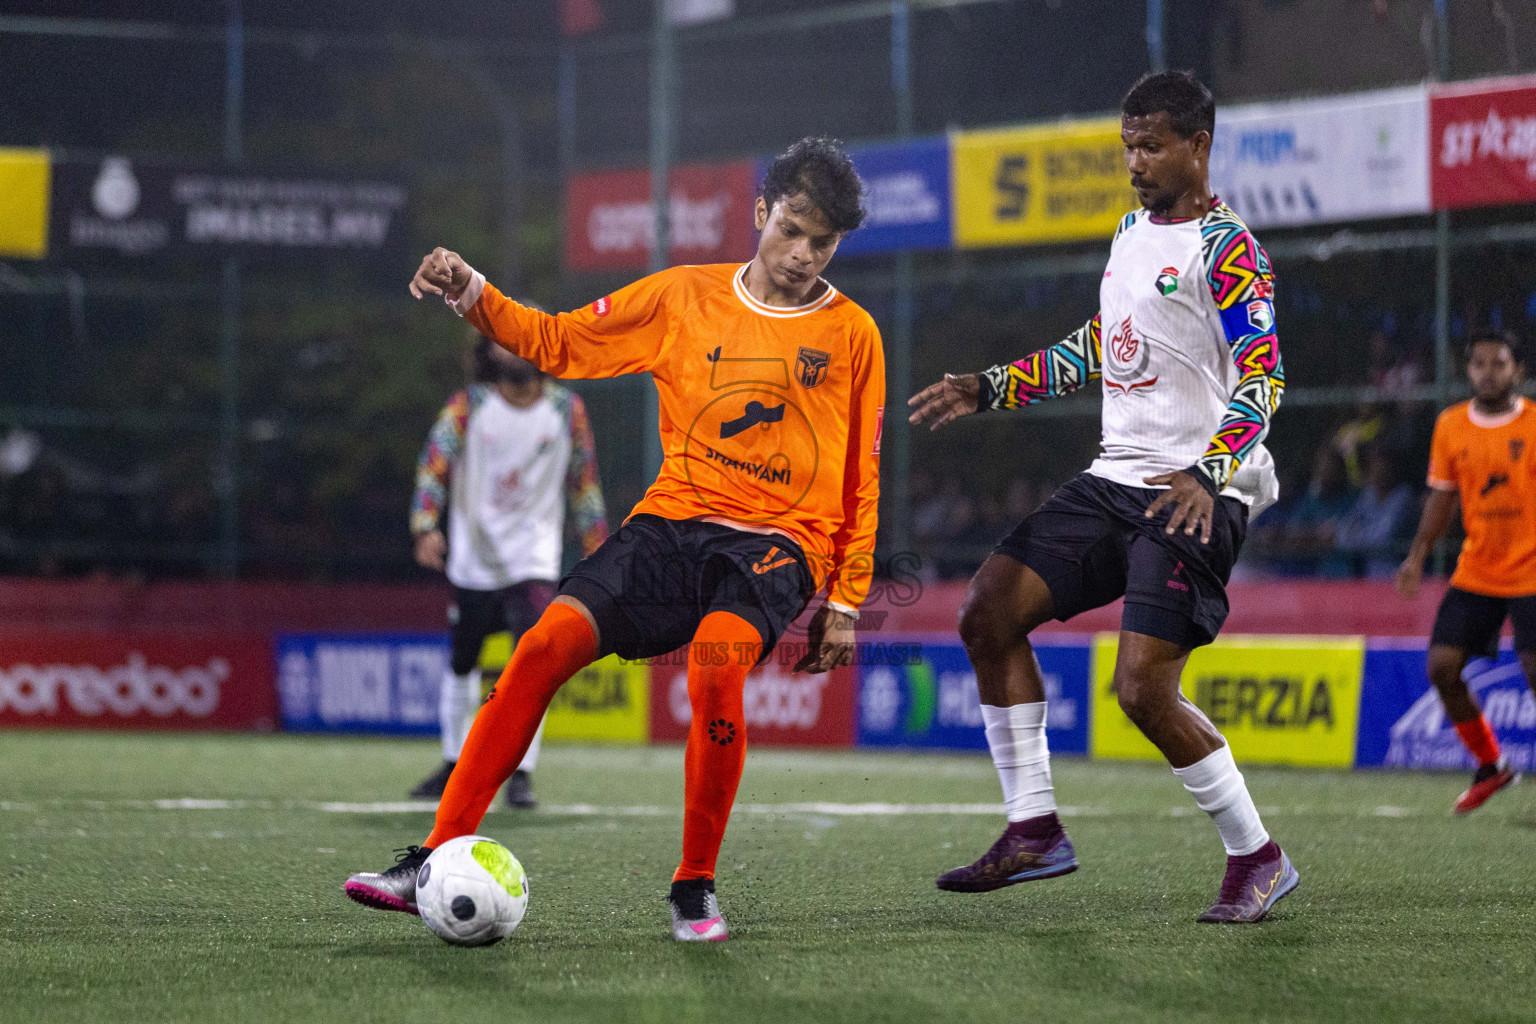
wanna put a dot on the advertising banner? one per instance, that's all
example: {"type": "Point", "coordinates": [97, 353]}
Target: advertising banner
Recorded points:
{"type": "Point", "coordinates": [1278, 700]}
{"type": "Point", "coordinates": [1319, 160]}
{"type": "Point", "coordinates": [906, 194]}
{"type": "Point", "coordinates": [782, 708]}
{"type": "Point", "coordinates": [1050, 183]}
{"type": "Point", "coordinates": [930, 700]}
{"type": "Point", "coordinates": [361, 683]}
{"type": "Point", "coordinates": [137, 681]}
{"type": "Point", "coordinates": [1403, 724]}
{"type": "Point", "coordinates": [119, 207]}
{"type": "Point", "coordinates": [609, 224]}
{"type": "Point", "coordinates": [24, 185]}
{"type": "Point", "coordinates": [606, 702]}
{"type": "Point", "coordinates": [1483, 143]}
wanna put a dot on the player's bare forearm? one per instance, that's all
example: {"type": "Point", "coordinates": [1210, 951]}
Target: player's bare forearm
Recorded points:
{"type": "Point", "coordinates": [1438, 509]}
{"type": "Point", "coordinates": [946, 401]}
{"type": "Point", "coordinates": [830, 641]}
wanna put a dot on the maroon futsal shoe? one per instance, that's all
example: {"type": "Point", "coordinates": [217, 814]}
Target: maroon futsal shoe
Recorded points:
{"type": "Point", "coordinates": [1254, 883]}
{"type": "Point", "coordinates": [1027, 850]}
{"type": "Point", "coordinates": [1490, 778]}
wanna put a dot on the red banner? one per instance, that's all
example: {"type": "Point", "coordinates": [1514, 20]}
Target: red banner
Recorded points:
{"type": "Point", "coordinates": [91, 680]}
{"type": "Point", "coordinates": [782, 708]}
{"type": "Point", "coordinates": [609, 224]}
{"type": "Point", "coordinates": [1482, 138]}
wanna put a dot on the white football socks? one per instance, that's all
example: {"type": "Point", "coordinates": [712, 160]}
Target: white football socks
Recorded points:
{"type": "Point", "coordinates": [1219, 791]}
{"type": "Point", "coordinates": [457, 701]}
{"type": "Point", "coordinates": [1016, 737]}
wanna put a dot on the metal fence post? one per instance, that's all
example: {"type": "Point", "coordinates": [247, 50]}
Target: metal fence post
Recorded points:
{"type": "Point", "coordinates": [228, 471]}
{"type": "Point", "coordinates": [663, 102]}
{"type": "Point", "coordinates": [896, 457]}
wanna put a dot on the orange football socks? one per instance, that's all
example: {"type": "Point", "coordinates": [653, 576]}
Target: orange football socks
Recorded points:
{"type": "Point", "coordinates": [725, 647]}
{"type": "Point", "coordinates": [1479, 739]}
{"type": "Point", "coordinates": [559, 645]}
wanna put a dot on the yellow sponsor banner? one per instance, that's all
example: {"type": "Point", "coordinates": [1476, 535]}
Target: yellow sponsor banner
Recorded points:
{"type": "Point", "coordinates": [1278, 699]}
{"type": "Point", "coordinates": [1050, 183]}
{"type": "Point", "coordinates": [609, 701]}
{"type": "Point", "coordinates": [24, 183]}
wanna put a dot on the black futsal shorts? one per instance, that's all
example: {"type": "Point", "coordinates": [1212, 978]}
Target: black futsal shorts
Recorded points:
{"type": "Point", "coordinates": [650, 584]}
{"type": "Point", "coordinates": [1092, 543]}
{"type": "Point", "coordinates": [1471, 622]}
{"type": "Point", "coordinates": [476, 614]}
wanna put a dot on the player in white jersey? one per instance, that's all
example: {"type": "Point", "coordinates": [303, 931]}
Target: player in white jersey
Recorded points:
{"type": "Point", "coordinates": [1184, 342]}
{"type": "Point", "coordinates": [510, 453]}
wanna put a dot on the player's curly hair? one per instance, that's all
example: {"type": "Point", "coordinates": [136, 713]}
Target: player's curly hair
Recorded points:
{"type": "Point", "coordinates": [1509, 339]}
{"type": "Point", "coordinates": [1179, 94]}
{"type": "Point", "coordinates": [819, 170]}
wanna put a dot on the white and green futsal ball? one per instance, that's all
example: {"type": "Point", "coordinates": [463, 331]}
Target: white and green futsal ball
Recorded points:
{"type": "Point", "coordinates": [472, 891]}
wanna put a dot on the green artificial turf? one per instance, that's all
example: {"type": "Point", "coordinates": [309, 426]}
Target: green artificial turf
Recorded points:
{"type": "Point", "coordinates": [115, 908]}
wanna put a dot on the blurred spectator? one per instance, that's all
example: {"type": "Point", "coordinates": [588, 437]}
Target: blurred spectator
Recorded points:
{"type": "Point", "coordinates": [1306, 540]}
{"type": "Point", "coordinates": [1375, 532]}
{"type": "Point", "coordinates": [1389, 368]}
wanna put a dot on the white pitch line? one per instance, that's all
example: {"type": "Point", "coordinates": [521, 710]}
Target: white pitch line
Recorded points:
{"type": "Point", "coordinates": [395, 807]}
{"type": "Point", "coordinates": [823, 809]}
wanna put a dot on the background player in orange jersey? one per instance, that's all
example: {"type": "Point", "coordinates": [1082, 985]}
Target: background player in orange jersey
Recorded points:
{"type": "Point", "coordinates": [1484, 451]}
{"type": "Point", "coordinates": [772, 390]}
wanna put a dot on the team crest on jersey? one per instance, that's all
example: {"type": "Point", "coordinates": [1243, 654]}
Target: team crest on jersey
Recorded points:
{"type": "Point", "coordinates": [811, 366]}
{"type": "Point", "coordinates": [603, 306]}
{"type": "Point", "coordinates": [1260, 315]}
{"type": "Point", "coordinates": [1168, 280]}
{"type": "Point", "coordinates": [1125, 370]}
{"type": "Point", "coordinates": [1124, 343]}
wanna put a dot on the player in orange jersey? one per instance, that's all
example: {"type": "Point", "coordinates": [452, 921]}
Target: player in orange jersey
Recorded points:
{"type": "Point", "coordinates": [772, 390]}
{"type": "Point", "coordinates": [1484, 451]}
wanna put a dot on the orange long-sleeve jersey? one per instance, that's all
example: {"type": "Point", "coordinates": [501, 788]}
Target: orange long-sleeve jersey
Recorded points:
{"type": "Point", "coordinates": [770, 417]}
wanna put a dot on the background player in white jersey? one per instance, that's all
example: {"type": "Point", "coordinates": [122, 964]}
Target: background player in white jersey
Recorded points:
{"type": "Point", "coordinates": [1184, 342]}
{"type": "Point", "coordinates": [510, 453]}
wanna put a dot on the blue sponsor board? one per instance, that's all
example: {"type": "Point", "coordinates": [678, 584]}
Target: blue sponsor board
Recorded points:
{"type": "Point", "coordinates": [1403, 725]}
{"type": "Point", "coordinates": [361, 683]}
{"type": "Point", "coordinates": [906, 193]}
{"type": "Point", "coordinates": [932, 701]}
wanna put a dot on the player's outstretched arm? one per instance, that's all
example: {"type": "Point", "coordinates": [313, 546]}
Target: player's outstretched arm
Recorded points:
{"type": "Point", "coordinates": [946, 401]}
{"type": "Point", "coordinates": [621, 333]}
{"type": "Point", "coordinates": [1048, 373]}
{"type": "Point", "coordinates": [1438, 509]}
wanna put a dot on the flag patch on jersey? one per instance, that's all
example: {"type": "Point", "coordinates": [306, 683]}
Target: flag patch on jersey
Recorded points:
{"type": "Point", "coordinates": [1168, 280]}
{"type": "Point", "coordinates": [1260, 315]}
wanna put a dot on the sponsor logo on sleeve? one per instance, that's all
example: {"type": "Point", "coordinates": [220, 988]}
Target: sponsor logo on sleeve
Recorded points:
{"type": "Point", "coordinates": [880, 427]}
{"type": "Point", "coordinates": [603, 306]}
{"type": "Point", "coordinates": [1260, 315]}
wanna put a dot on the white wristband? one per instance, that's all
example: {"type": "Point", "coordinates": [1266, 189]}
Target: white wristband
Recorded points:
{"type": "Point", "coordinates": [466, 299]}
{"type": "Point", "coordinates": [845, 609]}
